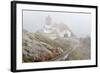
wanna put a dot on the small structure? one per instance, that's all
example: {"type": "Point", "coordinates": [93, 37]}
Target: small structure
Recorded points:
{"type": "Point", "coordinates": [54, 30]}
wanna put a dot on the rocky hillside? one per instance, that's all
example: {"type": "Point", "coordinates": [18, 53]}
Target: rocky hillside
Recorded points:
{"type": "Point", "coordinates": [38, 47]}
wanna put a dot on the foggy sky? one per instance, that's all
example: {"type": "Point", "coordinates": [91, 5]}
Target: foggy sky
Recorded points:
{"type": "Point", "coordinates": [79, 23]}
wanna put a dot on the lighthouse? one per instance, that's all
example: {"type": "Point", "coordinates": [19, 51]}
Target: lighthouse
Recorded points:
{"type": "Point", "coordinates": [48, 28]}
{"type": "Point", "coordinates": [54, 30]}
{"type": "Point", "coordinates": [48, 25]}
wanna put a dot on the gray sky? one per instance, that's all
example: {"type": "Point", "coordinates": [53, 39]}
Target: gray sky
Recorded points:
{"type": "Point", "coordinates": [79, 23]}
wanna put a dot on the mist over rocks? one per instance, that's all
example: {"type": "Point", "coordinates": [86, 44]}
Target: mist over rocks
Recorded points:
{"type": "Point", "coordinates": [55, 42]}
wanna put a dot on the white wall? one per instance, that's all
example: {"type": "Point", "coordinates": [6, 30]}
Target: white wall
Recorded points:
{"type": "Point", "coordinates": [5, 36]}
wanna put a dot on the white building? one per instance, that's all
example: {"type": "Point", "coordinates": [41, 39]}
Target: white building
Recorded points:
{"type": "Point", "coordinates": [54, 30]}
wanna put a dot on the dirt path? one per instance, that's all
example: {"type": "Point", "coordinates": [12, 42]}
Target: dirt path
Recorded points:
{"type": "Point", "coordinates": [65, 54]}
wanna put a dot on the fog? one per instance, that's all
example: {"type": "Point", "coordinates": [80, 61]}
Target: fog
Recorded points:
{"type": "Point", "coordinates": [79, 23]}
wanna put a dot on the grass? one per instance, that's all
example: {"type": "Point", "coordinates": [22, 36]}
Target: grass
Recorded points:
{"type": "Point", "coordinates": [49, 47]}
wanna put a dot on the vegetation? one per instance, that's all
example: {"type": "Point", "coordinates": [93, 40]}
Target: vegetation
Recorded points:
{"type": "Point", "coordinates": [38, 47]}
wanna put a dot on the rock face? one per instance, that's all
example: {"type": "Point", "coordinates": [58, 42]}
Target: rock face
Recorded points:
{"type": "Point", "coordinates": [36, 49]}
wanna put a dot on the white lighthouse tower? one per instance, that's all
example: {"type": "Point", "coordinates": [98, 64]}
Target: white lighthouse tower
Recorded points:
{"type": "Point", "coordinates": [48, 28]}
{"type": "Point", "coordinates": [48, 25]}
